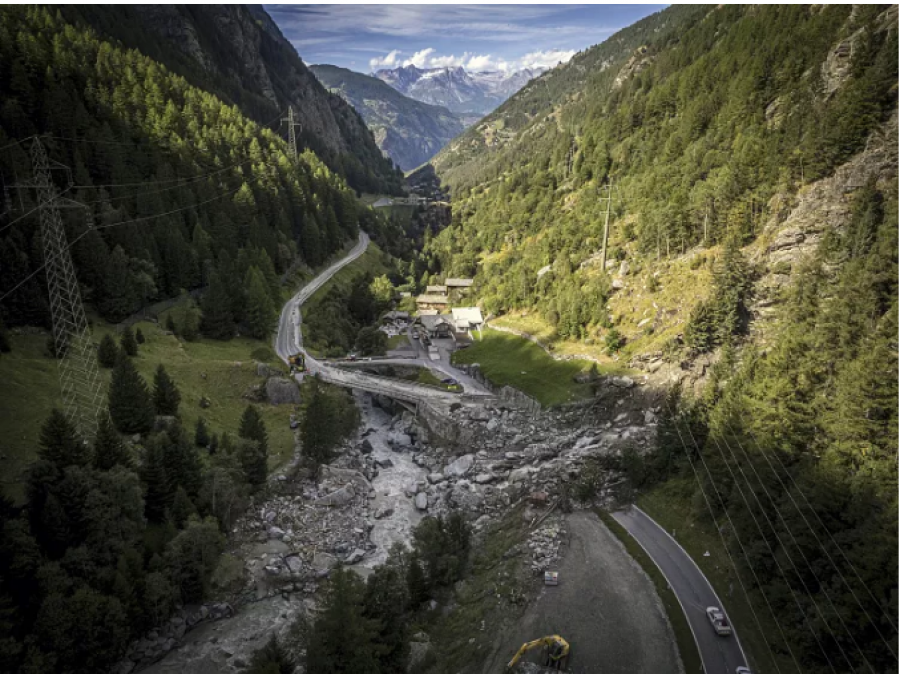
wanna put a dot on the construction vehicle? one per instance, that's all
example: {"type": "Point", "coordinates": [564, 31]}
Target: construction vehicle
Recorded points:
{"type": "Point", "coordinates": [555, 652]}
{"type": "Point", "coordinates": [297, 363]}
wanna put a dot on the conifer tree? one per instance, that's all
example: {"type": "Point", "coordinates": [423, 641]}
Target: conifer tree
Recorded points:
{"type": "Point", "coordinates": [201, 434]}
{"type": "Point", "coordinates": [260, 312]}
{"type": "Point", "coordinates": [272, 658]}
{"type": "Point", "coordinates": [166, 396]}
{"type": "Point", "coordinates": [130, 402]}
{"type": "Point", "coordinates": [218, 320]}
{"type": "Point", "coordinates": [255, 455]}
{"type": "Point", "coordinates": [128, 342]}
{"type": "Point", "coordinates": [157, 491]}
{"type": "Point", "coordinates": [60, 443]}
{"type": "Point", "coordinates": [107, 352]}
{"type": "Point", "coordinates": [109, 450]}
{"type": "Point", "coordinates": [182, 508]}
{"type": "Point", "coordinates": [139, 336]}
{"type": "Point", "coordinates": [342, 638]}
{"type": "Point", "coordinates": [319, 429]}
{"type": "Point", "coordinates": [182, 462]}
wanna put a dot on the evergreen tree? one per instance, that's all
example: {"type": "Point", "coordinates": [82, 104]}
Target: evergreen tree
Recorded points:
{"type": "Point", "coordinates": [166, 397]}
{"type": "Point", "coordinates": [342, 638]}
{"type": "Point", "coordinates": [107, 352]}
{"type": "Point", "coordinates": [192, 556]}
{"type": "Point", "coordinates": [255, 455]}
{"type": "Point", "coordinates": [158, 492]}
{"type": "Point", "coordinates": [170, 324]}
{"type": "Point", "coordinates": [386, 601]}
{"type": "Point", "coordinates": [182, 508]}
{"type": "Point", "coordinates": [260, 312]}
{"type": "Point", "coordinates": [130, 402]}
{"type": "Point", "coordinates": [201, 434]}
{"type": "Point", "coordinates": [139, 336]}
{"type": "Point", "coordinates": [182, 461]}
{"type": "Point", "coordinates": [218, 320]}
{"type": "Point", "coordinates": [319, 430]}
{"type": "Point", "coordinates": [272, 658]}
{"type": "Point", "coordinates": [60, 443]}
{"type": "Point", "coordinates": [109, 450]}
{"type": "Point", "coordinates": [416, 582]}
{"type": "Point", "coordinates": [128, 342]}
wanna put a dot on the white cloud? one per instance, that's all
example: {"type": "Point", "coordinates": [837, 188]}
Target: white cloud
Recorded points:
{"type": "Point", "coordinates": [546, 59]}
{"type": "Point", "coordinates": [421, 59]}
{"type": "Point", "coordinates": [389, 61]}
{"type": "Point", "coordinates": [429, 58]}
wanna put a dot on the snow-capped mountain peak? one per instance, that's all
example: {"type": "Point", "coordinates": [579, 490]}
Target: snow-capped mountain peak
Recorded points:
{"type": "Point", "coordinates": [457, 89]}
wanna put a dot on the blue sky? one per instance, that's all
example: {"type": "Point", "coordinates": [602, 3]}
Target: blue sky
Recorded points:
{"type": "Point", "coordinates": [479, 37]}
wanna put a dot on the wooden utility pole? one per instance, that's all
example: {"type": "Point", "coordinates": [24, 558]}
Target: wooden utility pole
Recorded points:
{"type": "Point", "coordinates": [608, 199]}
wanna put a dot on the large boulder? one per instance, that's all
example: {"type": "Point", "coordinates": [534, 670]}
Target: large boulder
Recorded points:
{"type": "Point", "coordinates": [339, 497]}
{"type": "Point", "coordinates": [460, 466]}
{"type": "Point", "coordinates": [422, 501]}
{"type": "Point", "coordinates": [282, 391]}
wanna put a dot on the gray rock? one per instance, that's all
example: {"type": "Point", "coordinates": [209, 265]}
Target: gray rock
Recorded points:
{"type": "Point", "coordinates": [322, 561]}
{"type": "Point", "coordinates": [492, 425]}
{"type": "Point", "coordinates": [339, 497]}
{"type": "Point", "coordinates": [355, 557]}
{"type": "Point", "coordinates": [281, 391]}
{"type": "Point", "coordinates": [520, 474]}
{"type": "Point", "coordinates": [435, 478]}
{"type": "Point", "coordinates": [484, 478]}
{"type": "Point", "coordinates": [294, 564]}
{"type": "Point", "coordinates": [618, 284]}
{"type": "Point", "coordinates": [275, 532]}
{"type": "Point", "coordinates": [385, 511]}
{"type": "Point", "coordinates": [422, 501]}
{"type": "Point", "coordinates": [622, 382]}
{"type": "Point", "coordinates": [460, 466]}
{"type": "Point", "coordinates": [366, 447]}
{"type": "Point", "coordinates": [263, 370]}
{"type": "Point", "coordinates": [384, 463]}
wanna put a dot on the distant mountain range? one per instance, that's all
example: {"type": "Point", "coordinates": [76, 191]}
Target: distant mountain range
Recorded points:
{"type": "Point", "coordinates": [457, 89]}
{"type": "Point", "coordinates": [408, 131]}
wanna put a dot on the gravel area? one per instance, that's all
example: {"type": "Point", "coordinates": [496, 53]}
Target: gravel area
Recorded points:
{"type": "Point", "coordinates": [604, 605]}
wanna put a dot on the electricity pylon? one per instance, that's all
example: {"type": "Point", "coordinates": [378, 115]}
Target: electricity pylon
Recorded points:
{"type": "Point", "coordinates": [79, 376]}
{"type": "Point", "coordinates": [292, 135]}
{"type": "Point", "coordinates": [608, 199]}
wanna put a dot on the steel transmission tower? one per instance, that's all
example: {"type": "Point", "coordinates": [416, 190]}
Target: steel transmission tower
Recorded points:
{"type": "Point", "coordinates": [608, 199]}
{"type": "Point", "coordinates": [292, 135]}
{"type": "Point", "coordinates": [78, 373]}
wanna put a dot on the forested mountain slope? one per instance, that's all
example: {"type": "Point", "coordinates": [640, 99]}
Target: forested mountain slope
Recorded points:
{"type": "Point", "coordinates": [409, 131]}
{"type": "Point", "coordinates": [753, 154]}
{"type": "Point", "coordinates": [180, 188]}
{"type": "Point", "coordinates": [237, 53]}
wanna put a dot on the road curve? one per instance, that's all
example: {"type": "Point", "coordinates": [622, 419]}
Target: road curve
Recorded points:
{"type": "Point", "coordinates": [289, 341]}
{"type": "Point", "coordinates": [719, 654]}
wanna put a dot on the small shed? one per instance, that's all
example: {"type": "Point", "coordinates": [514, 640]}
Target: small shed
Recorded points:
{"type": "Point", "coordinates": [436, 290]}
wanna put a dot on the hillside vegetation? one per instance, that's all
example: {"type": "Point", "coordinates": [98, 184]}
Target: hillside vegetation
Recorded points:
{"type": "Point", "coordinates": [180, 189]}
{"type": "Point", "coordinates": [237, 53]}
{"type": "Point", "coordinates": [409, 131]}
{"type": "Point", "coordinates": [753, 157]}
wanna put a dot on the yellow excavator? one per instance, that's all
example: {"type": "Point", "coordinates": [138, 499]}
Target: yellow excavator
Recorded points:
{"type": "Point", "coordinates": [555, 652]}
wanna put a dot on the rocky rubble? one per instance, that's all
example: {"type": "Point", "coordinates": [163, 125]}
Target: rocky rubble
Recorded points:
{"type": "Point", "coordinates": [384, 482]}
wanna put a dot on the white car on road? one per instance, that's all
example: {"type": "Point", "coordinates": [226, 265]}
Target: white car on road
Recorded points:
{"type": "Point", "coordinates": [719, 621]}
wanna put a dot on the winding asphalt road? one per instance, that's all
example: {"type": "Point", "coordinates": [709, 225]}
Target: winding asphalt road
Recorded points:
{"type": "Point", "coordinates": [720, 655]}
{"type": "Point", "coordinates": [289, 341]}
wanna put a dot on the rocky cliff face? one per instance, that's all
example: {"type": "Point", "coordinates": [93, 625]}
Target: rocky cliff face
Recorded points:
{"type": "Point", "coordinates": [237, 53]}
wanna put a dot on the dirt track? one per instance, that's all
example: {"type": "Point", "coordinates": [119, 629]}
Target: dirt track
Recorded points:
{"type": "Point", "coordinates": [605, 606]}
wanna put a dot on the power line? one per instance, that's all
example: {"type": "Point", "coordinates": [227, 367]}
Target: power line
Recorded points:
{"type": "Point", "coordinates": [36, 208]}
{"type": "Point", "coordinates": [777, 563]}
{"type": "Point", "coordinates": [736, 536]}
{"type": "Point", "coordinates": [819, 542]}
{"type": "Point", "coordinates": [784, 547]}
{"type": "Point", "coordinates": [187, 182]}
{"type": "Point", "coordinates": [117, 224]}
